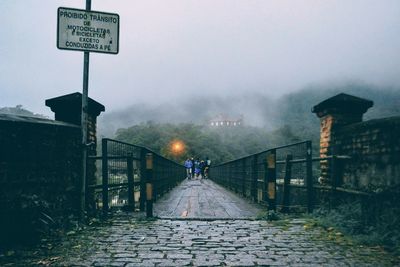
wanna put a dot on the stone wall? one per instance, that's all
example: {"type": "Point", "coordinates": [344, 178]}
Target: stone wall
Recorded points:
{"type": "Point", "coordinates": [374, 148]}
{"type": "Point", "coordinates": [68, 108]}
{"type": "Point", "coordinates": [40, 165]}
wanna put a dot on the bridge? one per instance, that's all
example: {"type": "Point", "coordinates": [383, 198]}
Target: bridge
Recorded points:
{"type": "Point", "coordinates": [154, 216]}
{"type": "Point", "coordinates": [204, 200]}
{"type": "Point", "coordinates": [134, 177]}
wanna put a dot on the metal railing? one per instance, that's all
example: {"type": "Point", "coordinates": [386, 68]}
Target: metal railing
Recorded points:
{"type": "Point", "coordinates": [120, 176]}
{"type": "Point", "coordinates": [286, 176]}
{"type": "Point", "coordinates": [261, 176]}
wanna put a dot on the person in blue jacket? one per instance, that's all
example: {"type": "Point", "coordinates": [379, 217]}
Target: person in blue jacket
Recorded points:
{"type": "Point", "coordinates": [188, 165]}
{"type": "Point", "coordinates": [197, 168]}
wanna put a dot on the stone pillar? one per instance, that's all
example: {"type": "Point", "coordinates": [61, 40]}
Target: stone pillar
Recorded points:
{"type": "Point", "coordinates": [334, 113]}
{"type": "Point", "coordinates": [68, 108]}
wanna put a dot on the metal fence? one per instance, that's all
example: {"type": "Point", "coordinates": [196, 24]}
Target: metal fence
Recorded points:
{"type": "Point", "coordinates": [261, 176]}
{"type": "Point", "coordinates": [287, 177]}
{"type": "Point", "coordinates": [119, 176]}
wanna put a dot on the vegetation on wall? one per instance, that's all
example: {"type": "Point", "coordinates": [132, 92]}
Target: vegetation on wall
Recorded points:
{"type": "Point", "coordinates": [371, 221]}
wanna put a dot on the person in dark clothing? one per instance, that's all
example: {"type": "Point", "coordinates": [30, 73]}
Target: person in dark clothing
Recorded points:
{"type": "Point", "coordinates": [202, 168]}
{"type": "Point", "coordinates": [197, 167]}
{"type": "Point", "coordinates": [193, 167]}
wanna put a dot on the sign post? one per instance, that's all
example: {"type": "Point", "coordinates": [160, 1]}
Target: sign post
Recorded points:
{"type": "Point", "coordinates": [84, 111]}
{"type": "Point", "coordinates": [87, 31]}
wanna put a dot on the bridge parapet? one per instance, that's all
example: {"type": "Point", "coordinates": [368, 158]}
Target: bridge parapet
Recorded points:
{"type": "Point", "coordinates": [374, 146]}
{"type": "Point", "coordinates": [336, 112]}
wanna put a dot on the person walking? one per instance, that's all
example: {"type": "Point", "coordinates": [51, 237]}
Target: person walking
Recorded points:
{"type": "Point", "coordinates": [193, 167]}
{"type": "Point", "coordinates": [207, 167]}
{"type": "Point", "coordinates": [197, 167]}
{"type": "Point", "coordinates": [202, 168]}
{"type": "Point", "coordinates": [188, 165]}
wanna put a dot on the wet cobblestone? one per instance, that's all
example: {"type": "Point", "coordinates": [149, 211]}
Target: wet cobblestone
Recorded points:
{"type": "Point", "coordinates": [129, 242]}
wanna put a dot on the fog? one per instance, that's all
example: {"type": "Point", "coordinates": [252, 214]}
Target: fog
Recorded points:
{"type": "Point", "coordinates": [175, 53]}
{"type": "Point", "coordinates": [256, 109]}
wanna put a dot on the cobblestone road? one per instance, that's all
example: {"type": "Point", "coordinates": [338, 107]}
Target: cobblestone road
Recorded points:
{"type": "Point", "coordinates": [195, 235]}
{"type": "Point", "coordinates": [125, 241]}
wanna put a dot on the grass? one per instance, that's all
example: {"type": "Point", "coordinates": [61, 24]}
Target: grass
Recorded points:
{"type": "Point", "coordinates": [369, 223]}
{"type": "Point", "coordinates": [380, 227]}
{"type": "Point", "coordinates": [269, 215]}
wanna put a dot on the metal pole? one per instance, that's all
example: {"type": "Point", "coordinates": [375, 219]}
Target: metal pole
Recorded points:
{"type": "Point", "coordinates": [254, 178]}
{"type": "Point", "coordinates": [104, 155]}
{"type": "Point", "coordinates": [271, 179]}
{"type": "Point", "coordinates": [131, 183]}
{"type": "Point", "coordinates": [84, 123]}
{"type": "Point", "coordinates": [309, 178]}
{"type": "Point", "coordinates": [286, 183]}
{"type": "Point", "coordinates": [143, 177]}
{"type": "Point", "coordinates": [149, 185]}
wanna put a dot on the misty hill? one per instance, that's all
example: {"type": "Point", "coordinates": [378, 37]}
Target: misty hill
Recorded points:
{"type": "Point", "coordinates": [268, 122]}
{"type": "Point", "coordinates": [295, 108]}
{"type": "Point", "coordinates": [197, 110]}
{"type": "Point", "coordinates": [19, 110]}
{"type": "Point", "coordinates": [258, 110]}
{"type": "Point", "coordinates": [220, 144]}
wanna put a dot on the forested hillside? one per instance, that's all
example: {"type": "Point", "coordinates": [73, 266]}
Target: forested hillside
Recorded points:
{"type": "Point", "coordinates": [295, 108]}
{"type": "Point", "coordinates": [257, 109]}
{"type": "Point", "coordinates": [268, 122]}
{"type": "Point", "coordinates": [219, 144]}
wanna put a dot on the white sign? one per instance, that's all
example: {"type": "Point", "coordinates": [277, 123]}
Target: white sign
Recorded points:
{"type": "Point", "coordinates": [89, 31]}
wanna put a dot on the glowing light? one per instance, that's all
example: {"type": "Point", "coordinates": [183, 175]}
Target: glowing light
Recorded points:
{"type": "Point", "coordinates": [177, 147]}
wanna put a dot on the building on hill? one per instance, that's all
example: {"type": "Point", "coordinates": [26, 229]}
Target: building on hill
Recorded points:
{"type": "Point", "coordinates": [223, 120]}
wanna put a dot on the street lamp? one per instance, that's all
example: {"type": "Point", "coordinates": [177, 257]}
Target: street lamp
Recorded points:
{"type": "Point", "coordinates": [177, 147]}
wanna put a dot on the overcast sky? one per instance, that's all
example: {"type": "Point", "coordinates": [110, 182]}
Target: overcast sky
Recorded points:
{"type": "Point", "coordinates": [172, 49]}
